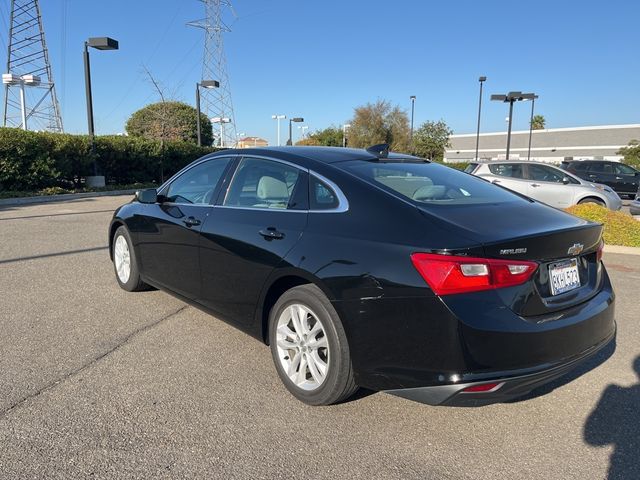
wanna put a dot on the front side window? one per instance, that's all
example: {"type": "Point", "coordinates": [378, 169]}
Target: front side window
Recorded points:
{"type": "Point", "coordinates": [197, 185]}
{"type": "Point", "coordinates": [430, 183]}
{"type": "Point", "coordinates": [513, 170]}
{"type": "Point", "coordinates": [260, 183]}
{"type": "Point", "coordinates": [544, 173]}
{"type": "Point", "coordinates": [623, 169]}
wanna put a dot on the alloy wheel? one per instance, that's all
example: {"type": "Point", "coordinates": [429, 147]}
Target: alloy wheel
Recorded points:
{"type": "Point", "coordinates": [302, 346]}
{"type": "Point", "coordinates": [122, 259]}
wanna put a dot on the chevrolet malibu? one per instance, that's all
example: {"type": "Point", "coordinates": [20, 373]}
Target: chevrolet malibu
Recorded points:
{"type": "Point", "coordinates": [364, 268]}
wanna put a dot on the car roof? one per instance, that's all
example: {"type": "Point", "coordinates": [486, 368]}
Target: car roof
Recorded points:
{"type": "Point", "coordinates": [528, 162]}
{"type": "Point", "coordinates": [322, 154]}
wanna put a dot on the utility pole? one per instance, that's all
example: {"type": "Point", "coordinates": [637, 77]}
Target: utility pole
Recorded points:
{"type": "Point", "coordinates": [216, 102]}
{"type": "Point", "coordinates": [27, 56]}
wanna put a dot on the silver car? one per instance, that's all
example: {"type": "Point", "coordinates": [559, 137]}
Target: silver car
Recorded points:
{"type": "Point", "coordinates": [545, 183]}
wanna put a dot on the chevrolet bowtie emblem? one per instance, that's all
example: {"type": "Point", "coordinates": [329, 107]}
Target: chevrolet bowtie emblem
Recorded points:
{"type": "Point", "coordinates": [576, 249]}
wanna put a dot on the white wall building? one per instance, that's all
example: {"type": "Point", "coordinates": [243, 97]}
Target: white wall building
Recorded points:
{"type": "Point", "coordinates": [549, 145]}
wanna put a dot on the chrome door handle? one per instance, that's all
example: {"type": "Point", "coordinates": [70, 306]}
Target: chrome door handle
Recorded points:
{"type": "Point", "coordinates": [619, 178]}
{"type": "Point", "coordinates": [191, 222]}
{"type": "Point", "coordinates": [271, 233]}
{"type": "Point", "coordinates": [535, 184]}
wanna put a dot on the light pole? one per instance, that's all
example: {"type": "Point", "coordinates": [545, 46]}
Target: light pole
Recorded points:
{"type": "Point", "coordinates": [99, 43]}
{"type": "Point", "coordinates": [297, 120]}
{"type": "Point", "coordinates": [481, 80]}
{"type": "Point", "coordinates": [533, 102]}
{"type": "Point", "coordinates": [203, 84]}
{"type": "Point", "coordinates": [511, 98]}
{"type": "Point", "coordinates": [28, 80]}
{"type": "Point", "coordinates": [221, 121]}
{"type": "Point", "coordinates": [278, 118]}
{"type": "Point", "coordinates": [344, 134]}
{"type": "Point", "coordinates": [413, 105]}
{"type": "Point", "coordinates": [303, 130]}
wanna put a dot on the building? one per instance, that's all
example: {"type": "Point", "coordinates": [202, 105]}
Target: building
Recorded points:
{"type": "Point", "coordinates": [548, 145]}
{"type": "Point", "coordinates": [250, 142]}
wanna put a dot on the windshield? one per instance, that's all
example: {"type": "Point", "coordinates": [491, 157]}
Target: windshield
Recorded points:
{"type": "Point", "coordinates": [429, 183]}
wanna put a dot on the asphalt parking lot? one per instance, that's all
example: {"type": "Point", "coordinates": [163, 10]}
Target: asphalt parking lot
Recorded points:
{"type": "Point", "coordinates": [96, 382]}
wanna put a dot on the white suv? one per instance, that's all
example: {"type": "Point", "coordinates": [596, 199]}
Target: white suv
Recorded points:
{"type": "Point", "coordinates": [545, 183]}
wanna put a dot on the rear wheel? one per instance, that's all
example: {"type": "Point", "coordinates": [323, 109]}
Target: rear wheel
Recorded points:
{"type": "Point", "coordinates": [125, 262]}
{"type": "Point", "coordinates": [309, 347]}
{"type": "Point", "coordinates": [592, 200]}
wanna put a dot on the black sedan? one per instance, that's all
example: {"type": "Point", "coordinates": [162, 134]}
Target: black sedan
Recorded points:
{"type": "Point", "coordinates": [364, 268]}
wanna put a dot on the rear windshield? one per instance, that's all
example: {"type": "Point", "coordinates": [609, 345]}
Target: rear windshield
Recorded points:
{"type": "Point", "coordinates": [429, 183]}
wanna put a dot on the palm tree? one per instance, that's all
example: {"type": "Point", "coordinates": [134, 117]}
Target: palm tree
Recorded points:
{"type": "Point", "coordinates": [538, 122]}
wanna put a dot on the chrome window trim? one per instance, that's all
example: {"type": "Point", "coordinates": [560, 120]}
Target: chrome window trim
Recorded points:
{"type": "Point", "coordinates": [343, 203]}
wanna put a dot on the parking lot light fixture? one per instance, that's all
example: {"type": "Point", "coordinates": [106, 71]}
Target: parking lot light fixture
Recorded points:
{"type": "Point", "coordinates": [22, 81]}
{"type": "Point", "coordinates": [511, 98]}
{"type": "Point", "coordinates": [532, 97]}
{"type": "Point", "coordinates": [208, 84]}
{"type": "Point", "coordinates": [413, 106]}
{"type": "Point", "coordinates": [481, 80]}
{"type": "Point", "coordinates": [278, 118]}
{"type": "Point", "coordinates": [344, 134]}
{"type": "Point", "coordinates": [297, 120]}
{"type": "Point", "coordinates": [99, 43]}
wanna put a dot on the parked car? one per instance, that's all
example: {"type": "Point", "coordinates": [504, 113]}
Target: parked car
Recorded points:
{"type": "Point", "coordinates": [622, 178]}
{"type": "Point", "coordinates": [545, 183]}
{"type": "Point", "coordinates": [373, 269]}
{"type": "Point", "coordinates": [634, 206]}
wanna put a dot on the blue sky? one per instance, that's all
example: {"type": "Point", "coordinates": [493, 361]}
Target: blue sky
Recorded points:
{"type": "Point", "coordinates": [319, 59]}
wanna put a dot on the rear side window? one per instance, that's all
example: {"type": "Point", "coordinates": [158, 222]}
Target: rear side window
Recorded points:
{"type": "Point", "coordinates": [430, 183]}
{"type": "Point", "coordinates": [513, 170]}
{"type": "Point", "coordinates": [321, 195]}
{"type": "Point", "coordinates": [260, 183]}
{"type": "Point", "coordinates": [471, 168]}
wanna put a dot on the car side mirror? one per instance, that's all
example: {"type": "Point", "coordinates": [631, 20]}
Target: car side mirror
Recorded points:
{"type": "Point", "coordinates": [150, 195]}
{"type": "Point", "coordinates": [566, 180]}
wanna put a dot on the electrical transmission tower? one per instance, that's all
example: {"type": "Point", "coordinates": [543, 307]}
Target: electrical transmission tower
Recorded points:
{"type": "Point", "coordinates": [216, 102]}
{"type": "Point", "coordinates": [29, 88]}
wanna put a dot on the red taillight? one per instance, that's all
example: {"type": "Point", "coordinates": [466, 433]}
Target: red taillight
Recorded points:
{"type": "Point", "coordinates": [449, 274]}
{"type": "Point", "coordinates": [599, 251]}
{"type": "Point", "coordinates": [484, 388]}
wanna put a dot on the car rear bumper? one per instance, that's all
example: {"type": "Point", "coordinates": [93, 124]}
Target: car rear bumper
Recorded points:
{"type": "Point", "coordinates": [510, 385]}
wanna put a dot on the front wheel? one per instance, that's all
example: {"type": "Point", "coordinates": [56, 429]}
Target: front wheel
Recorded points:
{"type": "Point", "coordinates": [125, 262]}
{"type": "Point", "coordinates": [309, 347]}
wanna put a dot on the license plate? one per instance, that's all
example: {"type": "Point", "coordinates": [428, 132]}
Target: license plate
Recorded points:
{"type": "Point", "coordinates": [563, 276]}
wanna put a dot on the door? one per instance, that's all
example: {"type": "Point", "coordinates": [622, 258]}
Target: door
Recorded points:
{"type": "Point", "coordinates": [546, 184]}
{"type": "Point", "coordinates": [626, 179]}
{"type": "Point", "coordinates": [601, 172]}
{"type": "Point", "coordinates": [248, 233]}
{"type": "Point", "coordinates": [169, 231]}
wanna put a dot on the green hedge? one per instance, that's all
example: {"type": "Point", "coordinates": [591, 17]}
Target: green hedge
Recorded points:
{"type": "Point", "coordinates": [37, 160]}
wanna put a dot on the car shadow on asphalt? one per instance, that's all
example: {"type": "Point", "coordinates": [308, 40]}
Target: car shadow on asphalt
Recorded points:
{"type": "Point", "coordinates": [616, 421]}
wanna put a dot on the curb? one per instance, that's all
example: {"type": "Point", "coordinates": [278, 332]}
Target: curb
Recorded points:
{"type": "Point", "coordinates": [620, 249]}
{"type": "Point", "coordinates": [61, 198]}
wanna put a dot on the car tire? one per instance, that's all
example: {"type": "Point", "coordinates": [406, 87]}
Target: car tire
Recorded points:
{"type": "Point", "coordinates": [125, 262]}
{"type": "Point", "coordinates": [592, 200]}
{"type": "Point", "coordinates": [309, 347]}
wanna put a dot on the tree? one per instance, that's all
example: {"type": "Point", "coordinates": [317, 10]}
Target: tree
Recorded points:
{"type": "Point", "coordinates": [329, 137]}
{"type": "Point", "coordinates": [379, 122]}
{"type": "Point", "coordinates": [431, 139]}
{"type": "Point", "coordinates": [631, 153]}
{"type": "Point", "coordinates": [166, 121]}
{"type": "Point", "coordinates": [538, 122]}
